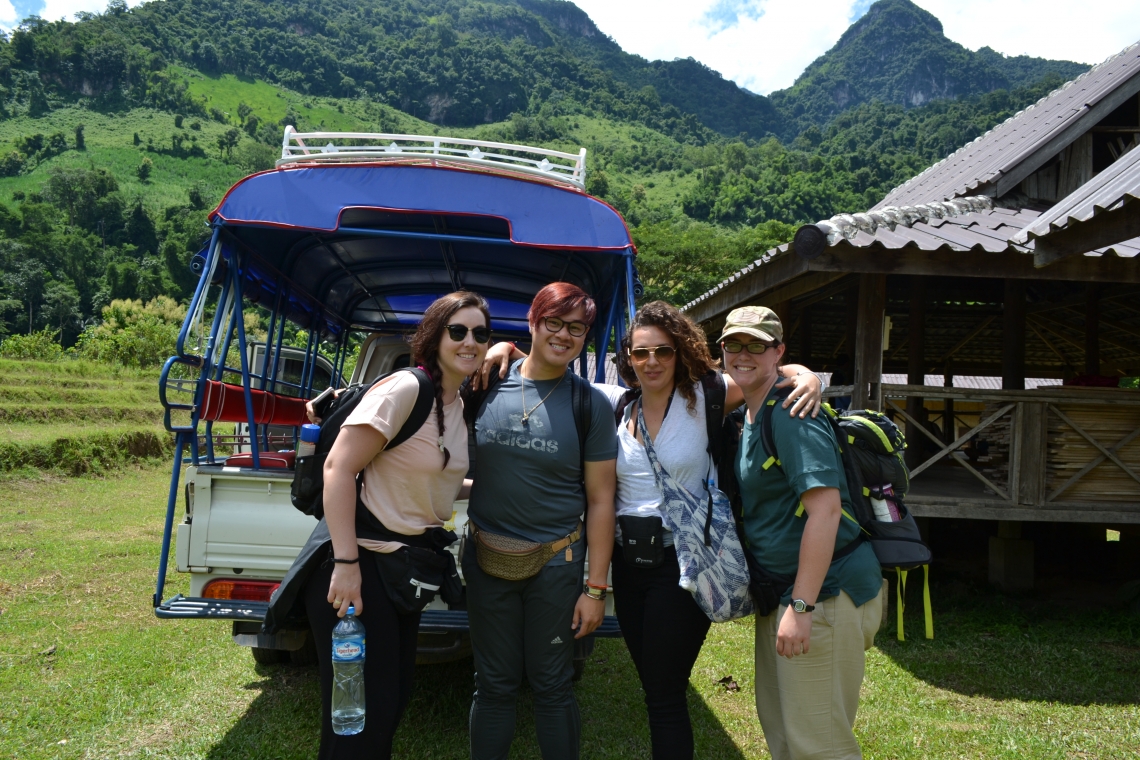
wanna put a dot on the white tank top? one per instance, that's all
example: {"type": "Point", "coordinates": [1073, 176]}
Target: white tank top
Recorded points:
{"type": "Point", "coordinates": [680, 444]}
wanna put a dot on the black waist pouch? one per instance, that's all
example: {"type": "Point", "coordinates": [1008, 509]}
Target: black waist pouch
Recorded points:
{"type": "Point", "coordinates": [642, 541]}
{"type": "Point", "coordinates": [413, 576]}
{"type": "Point", "coordinates": [766, 587]}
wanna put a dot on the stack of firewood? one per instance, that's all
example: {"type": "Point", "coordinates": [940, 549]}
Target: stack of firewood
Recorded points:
{"type": "Point", "coordinates": [1069, 453]}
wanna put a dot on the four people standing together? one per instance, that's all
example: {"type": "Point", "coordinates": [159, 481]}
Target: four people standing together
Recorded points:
{"type": "Point", "coordinates": [560, 469]}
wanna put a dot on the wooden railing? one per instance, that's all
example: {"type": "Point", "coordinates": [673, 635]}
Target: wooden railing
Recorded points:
{"type": "Point", "coordinates": [1056, 452]}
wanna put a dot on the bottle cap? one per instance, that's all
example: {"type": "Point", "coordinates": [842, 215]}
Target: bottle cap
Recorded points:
{"type": "Point", "coordinates": [310, 433]}
{"type": "Point", "coordinates": [351, 609]}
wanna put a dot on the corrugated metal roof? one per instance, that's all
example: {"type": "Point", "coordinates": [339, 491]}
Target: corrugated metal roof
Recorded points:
{"type": "Point", "coordinates": [1107, 191]}
{"type": "Point", "coordinates": [964, 224]}
{"type": "Point", "coordinates": [985, 160]}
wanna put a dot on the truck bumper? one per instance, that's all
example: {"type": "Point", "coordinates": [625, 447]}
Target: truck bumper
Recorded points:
{"type": "Point", "coordinates": [431, 621]}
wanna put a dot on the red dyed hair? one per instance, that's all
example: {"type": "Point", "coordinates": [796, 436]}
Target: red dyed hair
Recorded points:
{"type": "Point", "coordinates": [560, 298]}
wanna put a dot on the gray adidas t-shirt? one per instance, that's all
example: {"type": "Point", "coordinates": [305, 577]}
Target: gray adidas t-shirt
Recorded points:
{"type": "Point", "coordinates": [528, 478]}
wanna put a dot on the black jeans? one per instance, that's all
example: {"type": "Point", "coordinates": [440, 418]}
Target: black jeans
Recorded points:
{"type": "Point", "coordinates": [522, 627]}
{"type": "Point", "coordinates": [664, 630]}
{"type": "Point", "coordinates": [389, 663]}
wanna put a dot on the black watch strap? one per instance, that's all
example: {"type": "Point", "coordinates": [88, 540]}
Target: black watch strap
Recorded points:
{"type": "Point", "coordinates": [799, 605]}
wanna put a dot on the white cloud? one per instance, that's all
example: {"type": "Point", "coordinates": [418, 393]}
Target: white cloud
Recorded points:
{"type": "Point", "coordinates": [1086, 32]}
{"type": "Point", "coordinates": [763, 45]}
{"type": "Point", "coordinates": [8, 15]}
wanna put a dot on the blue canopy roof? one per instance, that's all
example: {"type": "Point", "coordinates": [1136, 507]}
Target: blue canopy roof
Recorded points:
{"type": "Point", "coordinates": [371, 246]}
{"type": "Point", "coordinates": [315, 198]}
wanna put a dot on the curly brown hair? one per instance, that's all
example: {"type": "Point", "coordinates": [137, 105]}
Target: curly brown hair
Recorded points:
{"type": "Point", "coordinates": [425, 343]}
{"type": "Point", "coordinates": [694, 360]}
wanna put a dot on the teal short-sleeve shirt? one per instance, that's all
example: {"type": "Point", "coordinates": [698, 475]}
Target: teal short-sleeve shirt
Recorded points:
{"type": "Point", "coordinates": [773, 517]}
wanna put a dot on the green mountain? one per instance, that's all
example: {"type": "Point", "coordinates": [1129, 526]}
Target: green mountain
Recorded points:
{"type": "Point", "coordinates": [897, 53]}
{"type": "Point", "coordinates": [119, 131]}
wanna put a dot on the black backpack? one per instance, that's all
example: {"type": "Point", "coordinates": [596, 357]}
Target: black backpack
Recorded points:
{"type": "Point", "coordinates": [871, 448]}
{"type": "Point", "coordinates": [308, 479]}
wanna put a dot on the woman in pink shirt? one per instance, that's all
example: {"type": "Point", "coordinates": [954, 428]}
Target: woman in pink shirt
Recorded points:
{"type": "Point", "coordinates": [407, 492]}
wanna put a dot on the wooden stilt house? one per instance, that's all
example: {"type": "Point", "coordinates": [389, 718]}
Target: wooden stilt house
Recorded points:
{"type": "Point", "coordinates": [1013, 258]}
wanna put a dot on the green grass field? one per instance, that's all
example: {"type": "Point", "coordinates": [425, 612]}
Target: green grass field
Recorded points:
{"type": "Point", "coordinates": [86, 670]}
{"type": "Point", "coordinates": [77, 416]}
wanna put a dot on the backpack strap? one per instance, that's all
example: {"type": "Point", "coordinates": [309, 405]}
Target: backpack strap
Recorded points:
{"type": "Point", "coordinates": [425, 400]}
{"type": "Point", "coordinates": [715, 396]}
{"type": "Point", "coordinates": [631, 395]}
{"type": "Point", "coordinates": [767, 437]}
{"type": "Point", "coordinates": [581, 403]}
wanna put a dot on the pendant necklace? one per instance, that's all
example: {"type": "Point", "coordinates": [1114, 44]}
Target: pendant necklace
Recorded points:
{"type": "Point", "coordinates": [522, 387]}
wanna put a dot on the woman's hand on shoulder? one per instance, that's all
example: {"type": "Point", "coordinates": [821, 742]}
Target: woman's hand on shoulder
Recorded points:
{"type": "Point", "coordinates": [499, 355]}
{"type": "Point", "coordinates": [806, 394]}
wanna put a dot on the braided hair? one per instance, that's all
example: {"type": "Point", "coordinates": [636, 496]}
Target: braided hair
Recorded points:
{"type": "Point", "coordinates": [425, 344]}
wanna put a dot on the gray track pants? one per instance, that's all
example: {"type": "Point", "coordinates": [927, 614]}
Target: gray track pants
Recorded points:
{"type": "Point", "coordinates": [523, 627]}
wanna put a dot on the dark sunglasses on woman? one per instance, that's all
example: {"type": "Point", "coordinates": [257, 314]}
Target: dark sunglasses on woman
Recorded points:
{"type": "Point", "coordinates": [661, 353]}
{"type": "Point", "coordinates": [733, 347]}
{"type": "Point", "coordinates": [459, 332]}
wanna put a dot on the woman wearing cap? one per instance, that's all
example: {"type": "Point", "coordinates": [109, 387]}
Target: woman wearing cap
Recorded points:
{"type": "Point", "coordinates": [664, 358]}
{"type": "Point", "coordinates": [545, 451]}
{"type": "Point", "coordinates": [810, 651]}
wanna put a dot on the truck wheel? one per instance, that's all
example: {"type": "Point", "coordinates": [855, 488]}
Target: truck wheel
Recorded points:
{"type": "Point", "coordinates": [306, 656]}
{"type": "Point", "coordinates": [264, 656]}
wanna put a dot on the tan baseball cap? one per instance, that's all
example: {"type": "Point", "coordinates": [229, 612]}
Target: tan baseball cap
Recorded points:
{"type": "Point", "coordinates": [757, 321]}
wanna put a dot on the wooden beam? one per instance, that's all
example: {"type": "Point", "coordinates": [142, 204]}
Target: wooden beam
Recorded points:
{"type": "Point", "coordinates": [1013, 336]}
{"type": "Point", "coordinates": [869, 342]}
{"type": "Point", "coordinates": [1092, 329]}
{"type": "Point", "coordinates": [1006, 265]}
{"type": "Point", "coordinates": [1105, 229]}
{"type": "Point", "coordinates": [916, 362]}
{"type": "Point", "coordinates": [780, 270]}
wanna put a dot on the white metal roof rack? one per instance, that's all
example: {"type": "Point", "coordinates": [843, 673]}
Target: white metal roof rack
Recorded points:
{"type": "Point", "coordinates": [365, 147]}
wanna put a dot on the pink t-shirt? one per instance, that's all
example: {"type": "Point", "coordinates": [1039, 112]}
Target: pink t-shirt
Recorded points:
{"type": "Point", "coordinates": [407, 487]}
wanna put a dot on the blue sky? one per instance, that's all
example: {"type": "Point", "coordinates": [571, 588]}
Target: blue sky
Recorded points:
{"type": "Point", "coordinates": [764, 45]}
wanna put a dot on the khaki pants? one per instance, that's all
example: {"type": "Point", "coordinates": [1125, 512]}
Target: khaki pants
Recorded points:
{"type": "Point", "coordinates": [807, 704]}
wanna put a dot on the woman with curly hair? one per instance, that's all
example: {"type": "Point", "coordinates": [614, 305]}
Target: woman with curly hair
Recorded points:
{"type": "Point", "coordinates": [664, 359]}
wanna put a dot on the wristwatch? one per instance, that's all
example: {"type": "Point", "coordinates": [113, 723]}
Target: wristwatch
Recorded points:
{"type": "Point", "coordinates": [799, 605]}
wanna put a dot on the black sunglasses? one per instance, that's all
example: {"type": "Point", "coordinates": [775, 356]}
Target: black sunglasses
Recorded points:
{"type": "Point", "coordinates": [734, 347]}
{"type": "Point", "coordinates": [459, 332]}
{"type": "Point", "coordinates": [577, 329]}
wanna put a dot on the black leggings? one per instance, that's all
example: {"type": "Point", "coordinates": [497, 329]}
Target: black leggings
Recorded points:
{"type": "Point", "coordinates": [389, 663]}
{"type": "Point", "coordinates": [664, 630]}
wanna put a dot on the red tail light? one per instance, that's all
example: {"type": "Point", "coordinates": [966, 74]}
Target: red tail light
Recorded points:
{"type": "Point", "coordinates": [247, 591]}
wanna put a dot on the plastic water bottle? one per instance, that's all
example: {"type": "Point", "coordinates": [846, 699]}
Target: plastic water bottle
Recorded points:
{"type": "Point", "coordinates": [883, 506]}
{"type": "Point", "coordinates": [348, 675]}
{"type": "Point", "coordinates": [307, 446]}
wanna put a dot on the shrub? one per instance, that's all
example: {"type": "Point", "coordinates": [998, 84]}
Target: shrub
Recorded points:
{"type": "Point", "coordinates": [144, 169]}
{"type": "Point", "coordinates": [41, 346]}
{"type": "Point", "coordinates": [133, 334]}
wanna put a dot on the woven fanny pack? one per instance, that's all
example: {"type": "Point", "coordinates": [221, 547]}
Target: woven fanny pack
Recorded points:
{"type": "Point", "coordinates": [515, 559]}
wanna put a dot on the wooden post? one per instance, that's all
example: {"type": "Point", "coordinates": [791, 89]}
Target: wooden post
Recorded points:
{"type": "Point", "coordinates": [948, 434]}
{"type": "Point", "coordinates": [805, 338]}
{"type": "Point", "coordinates": [916, 365]}
{"type": "Point", "coordinates": [1092, 330]}
{"type": "Point", "coordinates": [1013, 337]}
{"type": "Point", "coordinates": [869, 342]}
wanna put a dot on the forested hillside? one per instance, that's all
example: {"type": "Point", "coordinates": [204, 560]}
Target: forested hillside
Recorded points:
{"type": "Point", "coordinates": [119, 131]}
